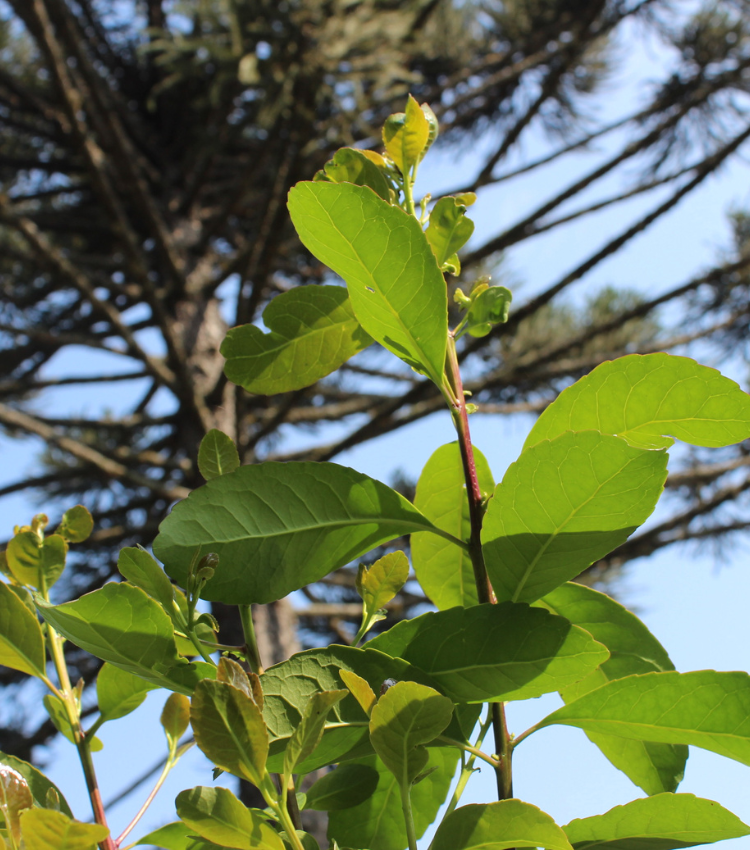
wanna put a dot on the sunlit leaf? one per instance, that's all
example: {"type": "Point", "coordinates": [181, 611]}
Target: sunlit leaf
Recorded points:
{"type": "Point", "coordinates": [308, 733]}
{"type": "Point", "coordinates": [706, 709]}
{"type": "Point", "coordinates": [119, 692]}
{"type": "Point", "coordinates": [312, 331]}
{"type": "Point", "coordinates": [444, 570]}
{"type": "Point", "coordinates": [407, 135]}
{"type": "Point", "coordinates": [217, 815]}
{"type": "Point", "coordinates": [21, 639]}
{"type": "Point", "coordinates": [564, 504]}
{"type": "Point", "coordinates": [405, 718]}
{"type": "Point", "coordinates": [396, 288]}
{"type": "Point", "coordinates": [229, 729]}
{"type": "Point", "coordinates": [279, 526]}
{"type": "Point", "coordinates": [449, 228]}
{"type": "Point", "coordinates": [494, 652]}
{"type": "Point", "coordinates": [496, 826]}
{"type": "Point", "coordinates": [663, 822]}
{"type": "Point", "coordinates": [648, 399]}
{"type": "Point", "coordinates": [119, 623]}
{"type": "Point", "coordinates": [44, 829]}
{"type": "Point", "coordinates": [655, 767]}
{"type": "Point", "coordinates": [76, 525]}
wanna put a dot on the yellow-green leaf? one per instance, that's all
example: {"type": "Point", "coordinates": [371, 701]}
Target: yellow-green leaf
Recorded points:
{"type": "Point", "coordinates": [21, 639]}
{"type": "Point", "coordinates": [44, 829]}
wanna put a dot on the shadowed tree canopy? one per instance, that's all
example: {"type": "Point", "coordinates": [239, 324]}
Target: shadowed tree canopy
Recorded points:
{"type": "Point", "coordinates": [146, 150]}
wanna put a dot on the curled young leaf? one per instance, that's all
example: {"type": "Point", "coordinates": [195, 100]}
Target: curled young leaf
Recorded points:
{"type": "Point", "coordinates": [76, 525]}
{"type": "Point", "coordinates": [175, 718]}
{"type": "Point", "coordinates": [408, 135]}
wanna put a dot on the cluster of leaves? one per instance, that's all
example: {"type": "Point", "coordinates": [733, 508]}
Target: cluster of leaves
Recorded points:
{"type": "Point", "coordinates": [397, 715]}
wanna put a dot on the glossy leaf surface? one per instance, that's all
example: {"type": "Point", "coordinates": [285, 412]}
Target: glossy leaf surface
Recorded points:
{"type": "Point", "coordinates": [279, 526]}
{"type": "Point", "coordinates": [378, 823]}
{"type": "Point", "coordinates": [406, 717]}
{"type": "Point", "coordinates": [349, 785]}
{"type": "Point", "coordinates": [396, 288]}
{"type": "Point", "coordinates": [229, 729]}
{"type": "Point", "coordinates": [563, 505]}
{"type": "Point", "coordinates": [494, 652]}
{"type": "Point", "coordinates": [312, 331]}
{"type": "Point", "coordinates": [21, 639]}
{"type": "Point", "coordinates": [217, 454]}
{"type": "Point", "coordinates": [648, 399]}
{"type": "Point", "coordinates": [707, 709]}
{"type": "Point", "coordinates": [44, 829]}
{"type": "Point", "coordinates": [496, 826]}
{"type": "Point", "coordinates": [217, 815]}
{"type": "Point", "coordinates": [633, 650]}
{"type": "Point", "coordinates": [119, 623]}
{"type": "Point", "coordinates": [663, 822]}
{"type": "Point", "coordinates": [443, 569]}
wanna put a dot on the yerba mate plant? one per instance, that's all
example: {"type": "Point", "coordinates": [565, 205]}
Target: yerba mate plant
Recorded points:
{"type": "Point", "coordinates": [401, 719]}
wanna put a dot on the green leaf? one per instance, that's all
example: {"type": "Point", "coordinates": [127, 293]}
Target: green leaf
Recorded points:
{"type": "Point", "coordinates": [489, 308]}
{"type": "Point", "coordinates": [380, 582]}
{"type": "Point", "coordinates": [360, 690]}
{"type": "Point", "coordinates": [44, 829]}
{"type": "Point", "coordinates": [350, 165]}
{"type": "Point", "coordinates": [177, 836]}
{"type": "Point", "coordinates": [443, 569]}
{"type": "Point", "coordinates": [28, 554]}
{"type": "Point", "coordinates": [663, 822]}
{"type": "Point", "coordinates": [119, 692]}
{"type": "Point", "coordinates": [563, 505]}
{"type": "Point", "coordinates": [232, 673]}
{"type": "Point", "coordinates": [76, 525]}
{"type": "Point", "coordinates": [405, 718]}
{"type": "Point", "coordinates": [59, 717]}
{"type": "Point", "coordinates": [119, 623]}
{"type": "Point", "coordinates": [496, 826]}
{"type": "Point", "coordinates": [21, 639]}
{"type": "Point", "coordinates": [216, 814]}
{"type": "Point", "coordinates": [644, 398]}
{"type": "Point", "coordinates": [217, 454]}
{"type": "Point", "coordinates": [289, 685]}
{"type": "Point", "coordinates": [633, 650]}
{"type": "Point", "coordinates": [378, 823]}
{"type": "Point", "coordinates": [307, 735]}
{"type": "Point", "coordinates": [407, 136]}
{"type": "Point", "coordinates": [38, 783]}
{"type": "Point", "coordinates": [449, 229]}
{"type": "Point", "coordinates": [349, 785]}
{"type": "Point", "coordinates": [706, 709]}
{"type": "Point", "coordinates": [229, 729]}
{"type": "Point", "coordinates": [279, 526]}
{"type": "Point", "coordinates": [140, 569]}
{"type": "Point", "coordinates": [494, 652]}
{"type": "Point", "coordinates": [311, 332]}
{"type": "Point", "coordinates": [175, 718]}
{"type": "Point", "coordinates": [396, 288]}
